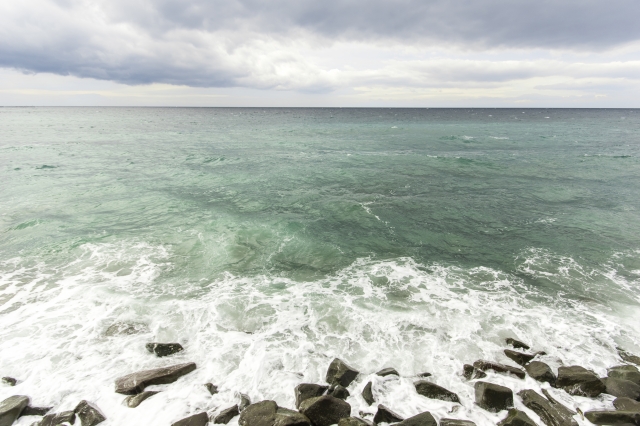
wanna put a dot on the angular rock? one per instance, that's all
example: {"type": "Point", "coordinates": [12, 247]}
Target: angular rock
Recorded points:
{"type": "Point", "coordinates": [200, 419]}
{"type": "Point", "coordinates": [517, 418]}
{"type": "Point", "coordinates": [132, 401]}
{"type": "Point", "coordinates": [340, 373]}
{"type": "Point", "coordinates": [518, 357]}
{"type": "Point", "coordinates": [384, 414]}
{"type": "Point", "coordinates": [499, 368]}
{"type": "Point", "coordinates": [123, 328]}
{"type": "Point", "coordinates": [58, 419]}
{"type": "Point", "coordinates": [517, 343]}
{"type": "Point", "coordinates": [11, 408]}
{"type": "Point", "coordinates": [625, 372]}
{"type": "Point", "coordinates": [613, 417]}
{"type": "Point", "coordinates": [422, 419]}
{"type": "Point", "coordinates": [164, 349]}
{"type": "Point", "coordinates": [550, 412]}
{"type": "Point", "coordinates": [213, 389]}
{"type": "Point", "coordinates": [470, 372]}
{"type": "Point", "coordinates": [286, 417]}
{"type": "Point", "coordinates": [433, 391]}
{"type": "Point", "coordinates": [245, 401]}
{"type": "Point", "coordinates": [576, 380]}
{"type": "Point", "coordinates": [340, 392]}
{"type": "Point", "coordinates": [629, 357]}
{"type": "Point", "coordinates": [89, 414]}
{"type": "Point", "coordinates": [626, 404]}
{"type": "Point", "coordinates": [325, 410]}
{"type": "Point", "coordinates": [493, 397]}
{"type": "Point", "coordinates": [456, 422]}
{"type": "Point", "coordinates": [541, 372]}
{"type": "Point", "coordinates": [387, 372]}
{"type": "Point", "coordinates": [353, 421]}
{"type": "Point", "coordinates": [308, 390]}
{"type": "Point", "coordinates": [261, 413]}
{"type": "Point", "coordinates": [35, 411]}
{"type": "Point", "coordinates": [9, 381]}
{"type": "Point", "coordinates": [367, 393]}
{"type": "Point", "coordinates": [134, 383]}
{"type": "Point", "coordinates": [621, 388]}
{"type": "Point", "coordinates": [226, 415]}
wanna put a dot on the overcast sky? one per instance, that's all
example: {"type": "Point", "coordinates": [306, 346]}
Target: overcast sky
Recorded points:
{"type": "Point", "coordinates": [556, 53]}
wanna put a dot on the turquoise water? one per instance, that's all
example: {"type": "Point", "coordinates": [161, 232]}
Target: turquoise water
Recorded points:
{"type": "Point", "coordinates": [268, 241]}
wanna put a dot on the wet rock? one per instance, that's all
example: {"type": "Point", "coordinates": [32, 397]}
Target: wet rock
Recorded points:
{"type": "Point", "coordinates": [433, 391]}
{"type": "Point", "coordinates": [245, 401]}
{"type": "Point", "coordinates": [164, 349]}
{"type": "Point", "coordinates": [133, 401]}
{"type": "Point", "coordinates": [66, 417]}
{"type": "Point", "coordinates": [469, 372]}
{"type": "Point", "coordinates": [340, 392]}
{"type": "Point", "coordinates": [493, 397]}
{"type": "Point", "coordinates": [625, 372]}
{"type": "Point", "coordinates": [626, 404]}
{"type": "Point", "coordinates": [286, 417]}
{"type": "Point", "coordinates": [518, 357]}
{"type": "Point", "coordinates": [422, 419]}
{"type": "Point", "coordinates": [200, 419]}
{"type": "Point", "coordinates": [613, 417]}
{"type": "Point", "coordinates": [58, 419]}
{"type": "Point", "coordinates": [384, 414]}
{"type": "Point", "coordinates": [134, 383]}
{"type": "Point", "coordinates": [517, 343]}
{"type": "Point", "coordinates": [576, 380]}
{"type": "Point", "coordinates": [35, 411]}
{"type": "Point", "coordinates": [308, 390]}
{"type": "Point", "coordinates": [226, 415]}
{"type": "Point", "coordinates": [550, 411]}
{"type": "Point", "coordinates": [456, 422]}
{"type": "Point", "coordinates": [123, 328]}
{"type": "Point", "coordinates": [340, 373]}
{"type": "Point", "coordinates": [517, 418]}
{"type": "Point", "coordinates": [89, 414]}
{"type": "Point", "coordinates": [629, 357]}
{"type": "Point", "coordinates": [499, 368]}
{"type": "Point", "coordinates": [213, 389]}
{"type": "Point", "coordinates": [621, 388]}
{"type": "Point", "coordinates": [11, 408]}
{"type": "Point", "coordinates": [325, 410]}
{"type": "Point", "coordinates": [9, 381]}
{"type": "Point", "coordinates": [367, 393]}
{"type": "Point", "coordinates": [387, 372]}
{"type": "Point", "coordinates": [353, 421]}
{"type": "Point", "coordinates": [424, 375]}
{"type": "Point", "coordinates": [540, 372]}
{"type": "Point", "coordinates": [261, 413]}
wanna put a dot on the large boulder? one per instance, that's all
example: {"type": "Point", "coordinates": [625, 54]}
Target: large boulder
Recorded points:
{"type": "Point", "coordinates": [499, 368]}
{"type": "Point", "coordinates": [422, 419]}
{"type": "Point", "coordinates": [541, 372]}
{"type": "Point", "coordinates": [621, 388]}
{"type": "Point", "coordinates": [493, 397]}
{"type": "Point", "coordinates": [325, 410]}
{"type": "Point", "coordinates": [386, 415]}
{"type": "Point", "coordinates": [132, 401]}
{"type": "Point", "coordinates": [519, 357]}
{"type": "Point", "coordinates": [470, 372]}
{"type": "Point", "coordinates": [625, 372]}
{"type": "Point", "coordinates": [387, 372]}
{"type": "Point", "coordinates": [134, 383]}
{"type": "Point", "coordinates": [576, 380]}
{"type": "Point", "coordinates": [456, 422]}
{"type": "Point", "coordinates": [629, 357]}
{"type": "Point", "coordinates": [626, 404]}
{"type": "Point", "coordinates": [11, 408]}
{"type": "Point", "coordinates": [367, 393]}
{"type": "Point", "coordinates": [261, 413]}
{"type": "Point", "coordinates": [226, 415]}
{"type": "Point", "coordinates": [308, 390]}
{"type": "Point", "coordinates": [516, 343]}
{"type": "Point", "coordinates": [550, 411]}
{"type": "Point", "coordinates": [89, 414]}
{"type": "Point", "coordinates": [164, 349]}
{"type": "Point", "coordinates": [517, 418]}
{"type": "Point", "coordinates": [433, 391]}
{"type": "Point", "coordinates": [339, 373]}
{"type": "Point", "coordinates": [200, 419]}
{"type": "Point", "coordinates": [354, 421]}
{"type": "Point", "coordinates": [613, 417]}
{"type": "Point", "coordinates": [286, 417]}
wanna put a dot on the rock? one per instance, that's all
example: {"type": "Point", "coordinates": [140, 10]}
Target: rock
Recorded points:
{"type": "Point", "coordinates": [213, 389]}
{"type": "Point", "coordinates": [626, 404]}
{"type": "Point", "coordinates": [625, 372]}
{"type": "Point", "coordinates": [89, 414]}
{"type": "Point", "coordinates": [134, 383]}
{"type": "Point", "coordinates": [340, 373]}
{"type": "Point", "coordinates": [9, 381]}
{"type": "Point", "coordinates": [576, 380]}
{"type": "Point", "coordinates": [66, 416]}
{"type": "Point", "coordinates": [308, 390]}
{"type": "Point", "coordinates": [387, 372]}
{"type": "Point", "coordinates": [133, 401]}
{"type": "Point", "coordinates": [517, 418]}
{"type": "Point", "coordinates": [353, 421]}
{"type": "Point", "coordinates": [123, 328]}
{"type": "Point", "coordinates": [325, 410]}
{"type": "Point", "coordinates": [35, 411]}
{"type": "Point", "coordinates": [470, 372]}
{"type": "Point", "coordinates": [433, 391]}
{"type": "Point", "coordinates": [367, 393]}
{"type": "Point", "coordinates": [613, 417]}
{"type": "Point", "coordinates": [541, 372]}
{"type": "Point", "coordinates": [245, 401]}
{"type": "Point", "coordinates": [58, 419]}
{"type": "Point", "coordinates": [424, 375]}
{"type": "Point", "coordinates": [261, 413]}
{"type": "Point", "coordinates": [626, 356]}
{"type": "Point", "coordinates": [499, 368]}
{"type": "Point", "coordinates": [226, 415]}
{"type": "Point", "coordinates": [200, 419]}
{"type": "Point", "coordinates": [164, 349]}
{"type": "Point", "coordinates": [422, 419]}
{"type": "Point", "coordinates": [493, 397]}
{"type": "Point", "coordinates": [518, 357]}
{"type": "Point", "coordinates": [385, 415]}
{"type": "Point", "coordinates": [517, 343]}
{"type": "Point", "coordinates": [286, 417]}
{"type": "Point", "coordinates": [621, 388]}
{"type": "Point", "coordinates": [340, 392]}
{"type": "Point", "coordinates": [456, 422]}
{"type": "Point", "coordinates": [11, 408]}
{"type": "Point", "coordinates": [550, 412]}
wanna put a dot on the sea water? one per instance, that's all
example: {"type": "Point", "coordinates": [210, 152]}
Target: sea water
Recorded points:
{"type": "Point", "coordinates": [269, 241]}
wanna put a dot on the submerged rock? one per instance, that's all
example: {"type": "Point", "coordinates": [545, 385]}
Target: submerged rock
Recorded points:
{"type": "Point", "coordinates": [469, 372]}
{"type": "Point", "coordinates": [353, 421]}
{"type": "Point", "coordinates": [89, 414]}
{"type": "Point", "coordinates": [493, 397]}
{"type": "Point", "coordinates": [385, 415]}
{"type": "Point", "coordinates": [626, 404]}
{"type": "Point", "coordinates": [621, 388]}
{"type": "Point", "coordinates": [9, 381]}
{"type": "Point", "coordinates": [424, 375]}
{"type": "Point", "coordinates": [456, 422]}
{"type": "Point", "coordinates": [340, 392]}
{"type": "Point", "coordinates": [286, 417]}
{"type": "Point", "coordinates": [132, 401]}
{"type": "Point", "coordinates": [134, 383]}
{"type": "Point", "coordinates": [625, 372]}
{"type": "Point", "coordinates": [200, 419]}
{"type": "Point", "coordinates": [123, 328]}
{"type": "Point", "coordinates": [541, 372]}
{"type": "Point", "coordinates": [308, 390]}
{"type": "Point", "coordinates": [613, 417]}
{"type": "Point", "coordinates": [325, 410]}
{"type": "Point", "coordinates": [431, 390]}
{"type": "Point", "coordinates": [422, 419]}
{"type": "Point", "coordinates": [518, 357]}
{"type": "Point", "coordinates": [226, 415]}
{"type": "Point", "coordinates": [499, 368]}
{"type": "Point", "coordinates": [576, 380]}
{"type": "Point", "coordinates": [35, 411]}
{"type": "Point", "coordinates": [629, 357]}
{"type": "Point", "coordinates": [517, 418]}
{"type": "Point", "coordinates": [213, 389]}
{"type": "Point", "coordinates": [387, 372]}
{"type": "Point", "coordinates": [11, 408]}
{"type": "Point", "coordinates": [367, 393]}
{"type": "Point", "coordinates": [550, 412]}
{"type": "Point", "coordinates": [245, 401]}
{"type": "Point", "coordinates": [164, 349]}
{"type": "Point", "coordinates": [261, 413]}
{"type": "Point", "coordinates": [516, 343]}
{"type": "Point", "coordinates": [340, 373]}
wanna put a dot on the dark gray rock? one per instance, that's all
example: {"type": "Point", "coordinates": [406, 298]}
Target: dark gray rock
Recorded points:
{"type": "Point", "coordinates": [576, 380]}
{"type": "Point", "coordinates": [200, 419]}
{"type": "Point", "coordinates": [499, 368]}
{"type": "Point", "coordinates": [550, 411]}
{"type": "Point", "coordinates": [433, 391]}
{"type": "Point", "coordinates": [134, 383]}
{"type": "Point", "coordinates": [164, 349]}
{"type": "Point", "coordinates": [89, 414]}
{"type": "Point", "coordinates": [286, 417]}
{"type": "Point", "coordinates": [385, 415]}
{"type": "Point", "coordinates": [325, 410]}
{"type": "Point", "coordinates": [226, 415]}
{"type": "Point", "coordinates": [261, 413]}
{"type": "Point", "coordinates": [470, 372]}
{"type": "Point", "coordinates": [626, 404]}
{"type": "Point", "coordinates": [367, 393]}
{"type": "Point", "coordinates": [58, 419]}
{"type": "Point", "coordinates": [456, 422]}
{"type": "Point", "coordinates": [422, 419]}
{"type": "Point", "coordinates": [621, 388]}
{"type": "Point", "coordinates": [517, 418]}
{"type": "Point", "coordinates": [308, 390]}
{"type": "Point", "coordinates": [132, 401]}
{"type": "Point", "coordinates": [340, 373]}
{"type": "Point", "coordinates": [213, 389]}
{"type": "Point", "coordinates": [625, 372]}
{"type": "Point", "coordinates": [388, 372]}
{"type": "Point", "coordinates": [245, 401]}
{"type": "Point", "coordinates": [493, 397]}
{"type": "Point", "coordinates": [517, 343]}
{"type": "Point", "coordinates": [35, 411]}
{"type": "Point", "coordinates": [11, 408]}
{"type": "Point", "coordinates": [123, 328]}
{"type": "Point", "coordinates": [613, 417]}
{"type": "Point", "coordinates": [541, 372]}
{"type": "Point", "coordinates": [518, 357]}
{"type": "Point", "coordinates": [340, 392]}
{"type": "Point", "coordinates": [9, 381]}
{"type": "Point", "coordinates": [353, 421]}
{"type": "Point", "coordinates": [629, 357]}
{"type": "Point", "coordinates": [424, 375]}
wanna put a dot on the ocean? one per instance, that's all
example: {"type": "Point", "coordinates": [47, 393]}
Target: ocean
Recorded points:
{"type": "Point", "coordinates": [268, 241]}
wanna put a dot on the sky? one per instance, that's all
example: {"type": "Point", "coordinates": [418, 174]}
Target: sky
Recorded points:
{"type": "Point", "coordinates": [326, 53]}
